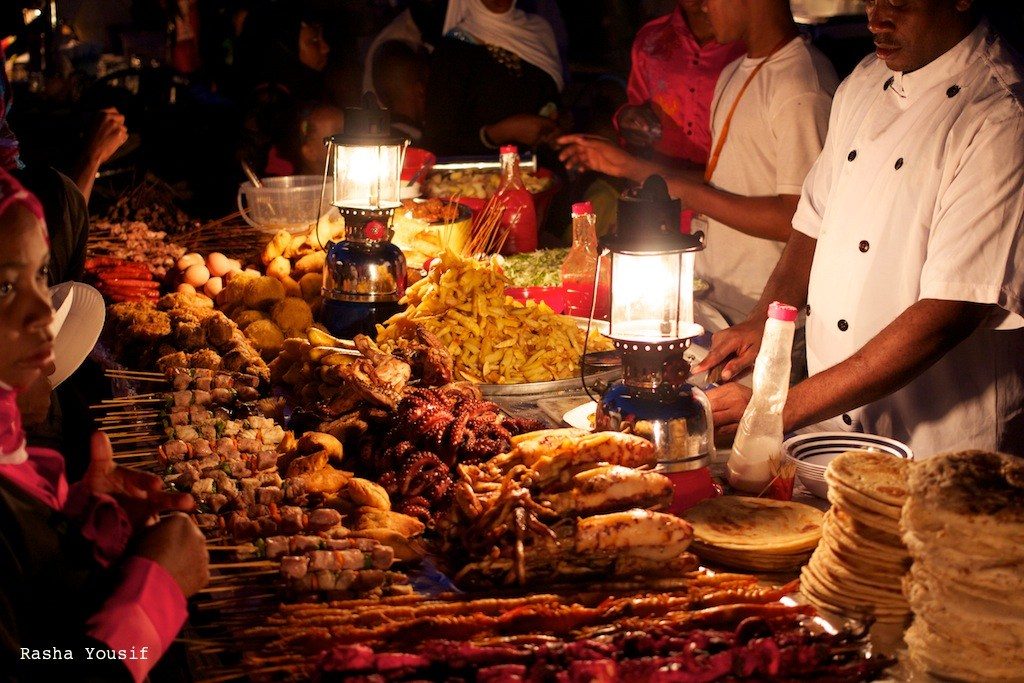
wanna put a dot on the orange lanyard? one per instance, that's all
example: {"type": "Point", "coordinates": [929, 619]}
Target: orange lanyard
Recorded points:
{"type": "Point", "coordinates": [717, 153]}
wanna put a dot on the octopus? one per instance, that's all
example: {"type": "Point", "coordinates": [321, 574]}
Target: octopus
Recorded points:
{"type": "Point", "coordinates": [432, 431]}
{"type": "Point", "coordinates": [428, 357]}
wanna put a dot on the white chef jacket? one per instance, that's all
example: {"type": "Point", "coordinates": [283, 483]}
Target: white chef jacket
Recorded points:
{"type": "Point", "coordinates": [776, 134]}
{"type": "Point", "coordinates": [919, 194]}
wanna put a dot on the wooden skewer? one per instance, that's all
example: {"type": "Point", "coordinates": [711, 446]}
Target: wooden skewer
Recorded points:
{"type": "Point", "coordinates": [132, 424]}
{"type": "Point", "coordinates": [114, 428]}
{"type": "Point", "coordinates": [137, 373]}
{"type": "Point", "coordinates": [224, 589]}
{"type": "Point", "coordinates": [129, 415]}
{"type": "Point", "coordinates": [236, 548]}
{"type": "Point", "coordinates": [245, 575]}
{"type": "Point", "coordinates": [251, 564]}
{"type": "Point", "coordinates": [135, 440]}
{"type": "Point", "coordinates": [141, 398]}
{"type": "Point", "coordinates": [240, 601]}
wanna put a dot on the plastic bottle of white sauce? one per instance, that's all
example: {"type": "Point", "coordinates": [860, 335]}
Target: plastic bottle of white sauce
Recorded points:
{"type": "Point", "coordinates": [758, 439]}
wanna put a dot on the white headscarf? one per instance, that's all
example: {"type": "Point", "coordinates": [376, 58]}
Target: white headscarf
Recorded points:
{"type": "Point", "coordinates": [526, 35]}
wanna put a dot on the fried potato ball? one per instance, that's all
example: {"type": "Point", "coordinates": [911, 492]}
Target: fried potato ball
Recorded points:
{"type": "Point", "coordinates": [263, 291]}
{"type": "Point", "coordinates": [265, 336]}
{"type": "Point", "coordinates": [247, 316]}
{"type": "Point", "coordinates": [292, 315]}
{"type": "Point", "coordinates": [311, 284]}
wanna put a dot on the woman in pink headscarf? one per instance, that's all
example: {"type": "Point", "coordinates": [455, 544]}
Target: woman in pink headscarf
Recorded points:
{"type": "Point", "coordinates": [67, 579]}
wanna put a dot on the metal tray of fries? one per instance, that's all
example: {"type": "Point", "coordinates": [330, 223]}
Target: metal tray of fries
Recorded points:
{"type": "Point", "coordinates": [552, 387]}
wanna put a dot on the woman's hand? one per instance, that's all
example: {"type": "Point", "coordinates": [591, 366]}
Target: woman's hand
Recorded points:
{"type": "Point", "coordinates": [177, 545]}
{"type": "Point", "coordinates": [589, 153]}
{"type": "Point", "coordinates": [523, 129]}
{"type": "Point", "coordinates": [736, 347]}
{"type": "Point", "coordinates": [727, 405]}
{"type": "Point", "coordinates": [140, 494]}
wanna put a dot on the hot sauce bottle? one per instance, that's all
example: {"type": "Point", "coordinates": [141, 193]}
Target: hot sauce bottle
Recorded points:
{"type": "Point", "coordinates": [520, 216]}
{"type": "Point", "coordinates": [578, 267]}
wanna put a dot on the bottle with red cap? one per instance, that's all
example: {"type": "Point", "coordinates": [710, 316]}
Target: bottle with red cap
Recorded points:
{"type": "Point", "coordinates": [578, 268]}
{"type": "Point", "coordinates": [519, 217]}
{"type": "Point", "coordinates": [757, 464]}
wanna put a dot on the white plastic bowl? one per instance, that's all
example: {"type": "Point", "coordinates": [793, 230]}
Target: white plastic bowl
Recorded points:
{"type": "Point", "coordinates": [283, 203]}
{"type": "Point", "coordinates": [814, 451]}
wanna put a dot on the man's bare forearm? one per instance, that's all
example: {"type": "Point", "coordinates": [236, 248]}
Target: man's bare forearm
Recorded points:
{"type": "Point", "coordinates": [908, 346]}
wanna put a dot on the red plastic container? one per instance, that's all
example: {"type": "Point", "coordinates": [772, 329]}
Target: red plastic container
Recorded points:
{"type": "Point", "coordinates": [416, 159]}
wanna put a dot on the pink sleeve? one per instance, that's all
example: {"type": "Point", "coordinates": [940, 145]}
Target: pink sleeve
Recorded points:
{"type": "Point", "coordinates": [637, 91]}
{"type": "Point", "coordinates": [103, 522]}
{"type": "Point", "coordinates": [145, 612]}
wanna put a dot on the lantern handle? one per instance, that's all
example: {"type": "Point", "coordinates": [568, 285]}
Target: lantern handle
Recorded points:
{"type": "Point", "coordinates": [323, 190]}
{"type": "Point", "coordinates": [586, 338]}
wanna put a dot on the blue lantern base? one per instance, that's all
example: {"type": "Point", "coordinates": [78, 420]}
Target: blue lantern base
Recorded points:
{"type": "Point", "coordinates": [346, 319]}
{"type": "Point", "coordinates": [677, 421]}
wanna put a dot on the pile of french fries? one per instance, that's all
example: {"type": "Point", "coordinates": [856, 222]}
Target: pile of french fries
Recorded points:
{"type": "Point", "coordinates": [493, 338]}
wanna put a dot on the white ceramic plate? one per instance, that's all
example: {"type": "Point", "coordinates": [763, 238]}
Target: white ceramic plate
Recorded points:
{"type": "Point", "coordinates": [580, 417]}
{"type": "Point", "coordinates": [78, 322]}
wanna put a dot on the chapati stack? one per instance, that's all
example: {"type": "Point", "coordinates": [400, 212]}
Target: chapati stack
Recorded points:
{"type": "Point", "coordinates": [964, 527]}
{"type": "Point", "coordinates": [756, 534]}
{"type": "Point", "coordinates": [859, 565]}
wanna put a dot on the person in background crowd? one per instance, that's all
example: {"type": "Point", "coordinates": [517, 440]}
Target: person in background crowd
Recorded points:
{"type": "Point", "coordinates": [282, 45]}
{"type": "Point", "coordinates": [400, 76]}
{"type": "Point", "coordinates": [676, 62]}
{"type": "Point", "coordinates": [495, 79]}
{"type": "Point", "coordinates": [908, 245]}
{"type": "Point", "coordinates": [302, 151]}
{"type": "Point", "coordinates": [418, 26]}
{"type": "Point", "coordinates": [769, 118]}
{"type": "Point", "coordinates": [675, 66]}
{"type": "Point", "coordinates": [67, 576]}
{"type": "Point", "coordinates": [106, 137]}
{"type": "Point", "coordinates": [283, 55]}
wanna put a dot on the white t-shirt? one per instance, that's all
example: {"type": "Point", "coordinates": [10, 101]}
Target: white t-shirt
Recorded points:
{"type": "Point", "coordinates": [775, 136]}
{"type": "Point", "coordinates": [919, 194]}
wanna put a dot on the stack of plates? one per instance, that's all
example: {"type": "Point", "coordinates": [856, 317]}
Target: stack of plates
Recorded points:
{"type": "Point", "coordinates": [813, 452]}
{"type": "Point", "coordinates": [858, 568]}
{"type": "Point", "coordinates": [756, 534]}
{"type": "Point", "coordinates": [964, 526]}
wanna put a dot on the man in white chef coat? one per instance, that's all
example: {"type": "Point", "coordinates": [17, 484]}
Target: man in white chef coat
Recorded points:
{"type": "Point", "coordinates": [907, 245]}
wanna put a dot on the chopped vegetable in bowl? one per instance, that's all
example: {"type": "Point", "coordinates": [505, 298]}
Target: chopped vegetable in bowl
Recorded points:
{"type": "Point", "coordinates": [536, 268]}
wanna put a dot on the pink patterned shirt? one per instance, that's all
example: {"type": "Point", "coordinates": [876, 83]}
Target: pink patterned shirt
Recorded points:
{"type": "Point", "coordinates": [678, 76]}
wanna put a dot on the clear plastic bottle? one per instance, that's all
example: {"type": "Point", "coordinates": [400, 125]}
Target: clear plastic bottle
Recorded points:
{"type": "Point", "coordinates": [520, 214]}
{"type": "Point", "coordinates": [578, 268]}
{"type": "Point", "coordinates": [756, 464]}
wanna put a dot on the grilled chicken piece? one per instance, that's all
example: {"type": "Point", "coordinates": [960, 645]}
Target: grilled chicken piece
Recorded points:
{"type": "Point", "coordinates": [610, 487]}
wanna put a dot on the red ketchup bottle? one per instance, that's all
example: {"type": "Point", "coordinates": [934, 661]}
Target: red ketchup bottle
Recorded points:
{"type": "Point", "coordinates": [520, 215]}
{"type": "Point", "coordinates": [579, 264]}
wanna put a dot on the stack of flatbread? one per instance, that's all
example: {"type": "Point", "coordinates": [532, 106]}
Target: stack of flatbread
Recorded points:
{"type": "Point", "coordinates": [964, 527]}
{"type": "Point", "coordinates": [756, 534]}
{"type": "Point", "coordinates": [859, 565]}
